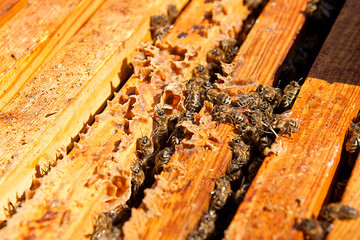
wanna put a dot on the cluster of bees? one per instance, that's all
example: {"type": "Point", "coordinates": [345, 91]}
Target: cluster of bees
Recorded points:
{"type": "Point", "coordinates": [353, 142]}
{"type": "Point", "coordinates": [252, 115]}
{"type": "Point", "coordinates": [160, 24]}
{"type": "Point", "coordinates": [318, 229]}
{"type": "Point", "coordinates": [256, 117]}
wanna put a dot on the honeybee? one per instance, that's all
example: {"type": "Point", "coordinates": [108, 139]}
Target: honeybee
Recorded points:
{"type": "Point", "coordinates": [320, 10]}
{"type": "Point", "coordinates": [159, 25]}
{"type": "Point", "coordinates": [240, 193]}
{"type": "Point", "coordinates": [267, 109]}
{"type": "Point", "coordinates": [311, 6]}
{"type": "Point", "coordinates": [257, 118]}
{"type": "Point", "coordinates": [186, 116]}
{"type": "Point", "coordinates": [285, 125]}
{"type": "Point", "coordinates": [172, 12]}
{"type": "Point", "coordinates": [160, 133]}
{"type": "Point", "coordinates": [193, 101]}
{"type": "Point", "coordinates": [253, 168]}
{"type": "Point", "coordinates": [290, 93]}
{"type": "Point", "coordinates": [228, 45]}
{"type": "Point", "coordinates": [137, 176]}
{"type": "Point", "coordinates": [230, 49]}
{"type": "Point", "coordinates": [241, 153]}
{"type": "Point", "coordinates": [162, 158]}
{"type": "Point", "coordinates": [270, 94]}
{"type": "Point", "coordinates": [225, 113]}
{"type": "Point", "coordinates": [221, 193]}
{"type": "Point", "coordinates": [353, 142]}
{"type": "Point", "coordinates": [251, 100]}
{"type": "Point", "coordinates": [144, 147]}
{"type": "Point", "coordinates": [177, 136]}
{"type": "Point", "coordinates": [312, 229]}
{"type": "Point", "coordinates": [241, 101]}
{"type": "Point", "coordinates": [201, 72]}
{"type": "Point", "coordinates": [172, 122]}
{"type": "Point", "coordinates": [215, 96]}
{"type": "Point", "coordinates": [215, 56]}
{"type": "Point", "coordinates": [251, 133]}
{"type": "Point", "coordinates": [338, 210]}
{"type": "Point", "coordinates": [194, 235]}
{"type": "Point", "coordinates": [104, 228]}
{"type": "Point", "coordinates": [207, 224]}
{"type": "Point", "coordinates": [253, 3]}
{"type": "Point", "coordinates": [264, 142]}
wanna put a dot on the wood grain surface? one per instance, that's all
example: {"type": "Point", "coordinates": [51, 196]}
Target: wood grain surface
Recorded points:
{"type": "Point", "coordinates": [53, 107]}
{"type": "Point", "coordinates": [347, 62]}
{"type": "Point", "coordinates": [295, 183]}
{"type": "Point", "coordinates": [8, 8]}
{"type": "Point", "coordinates": [35, 35]}
{"type": "Point", "coordinates": [349, 229]}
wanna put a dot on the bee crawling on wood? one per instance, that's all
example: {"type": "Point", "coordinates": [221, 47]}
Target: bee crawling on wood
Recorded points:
{"type": "Point", "coordinates": [159, 26]}
{"type": "Point", "coordinates": [221, 193]}
{"type": "Point", "coordinates": [253, 3]}
{"type": "Point", "coordinates": [105, 229]}
{"type": "Point", "coordinates": [137, 176]}
{"type": "Point", "coordinates": [215, 96]}
{"type": "Point", "coordinates": [215, 56]}
{"type": "Point", "coordinates": [162, 158]}
{"type": "Point", "coordinates": [193, 101]}
{"type": "Point", "coordinates": [253, 168]}
{"type": "Point", "coordinates": [194, 235]}
{"type": "Point", "coordinates": [264, 143]}
{"type": "Point", "coordinates": [340, 211]}
{"type": "Point", "coordinates": [160, 133]}
{"type": "Point", "coordinates": [206, 226]}
{"type": "Point", "coordinates": [241, 153]}
{"type": "Point", "coordinates": [201, 72]}
{"type": "Point", "coordinates": [144, 147]}
{"type": "Point", "coordinates": [249, 100]}
{"type": "Point", "coordinates": [285, 125]}
{"type": "Point", "coordinates": [225, 113]}
{"type": "Point", "coordinates": [353, 142]}
{"type": "Point", "coordinates": [230, 49]}
{"type": "Point", "coordinates": [172, 12]}
{"type": "Point", "coordinates": [313, 229]}
{"type": "Point", "coordinates": [177, 136]}
{"type": "Point", "coordinates": [290, 92]}
{"type": "Point", "coordinates": [271, 94]}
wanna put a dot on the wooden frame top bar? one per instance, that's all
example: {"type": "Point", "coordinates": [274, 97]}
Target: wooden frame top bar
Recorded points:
{"type": "Point", "coordinates": [294, 183]}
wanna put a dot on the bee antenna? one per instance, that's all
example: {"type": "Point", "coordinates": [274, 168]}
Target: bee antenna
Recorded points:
{"type": "Point", "coordinates": [301, 81]}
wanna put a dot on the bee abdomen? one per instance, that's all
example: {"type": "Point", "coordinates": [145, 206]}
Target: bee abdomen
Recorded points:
{"type": "Point", "coordinates": [352, 144]}
{"type": "Point", "coordinates": [224, 99]}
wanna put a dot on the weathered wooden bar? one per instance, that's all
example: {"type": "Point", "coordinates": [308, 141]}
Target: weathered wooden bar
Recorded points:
{"type": "Point", "coordinates": [8, 8]}
{"type": "Point", "coordinates": [96, 194]}
{"type": "Point", "coordinates": [53, 107]}
{"type": "Point", "coordinates": [295, 183]}
{"type": "Point", "coordinates": [35, 35]}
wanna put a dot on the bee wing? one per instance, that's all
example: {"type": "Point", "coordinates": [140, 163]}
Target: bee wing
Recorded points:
{"type": "Point", "coordinates": [287, 113]}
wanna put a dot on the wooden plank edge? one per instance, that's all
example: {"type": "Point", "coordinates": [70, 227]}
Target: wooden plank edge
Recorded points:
{"type": "Point", "coordinates": [65, 124]}
{"type": "Point", "coordinates": [331, 87]}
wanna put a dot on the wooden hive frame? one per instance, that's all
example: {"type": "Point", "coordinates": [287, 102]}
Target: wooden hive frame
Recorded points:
{"type": "Point", "coordinates": [67, 88]}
